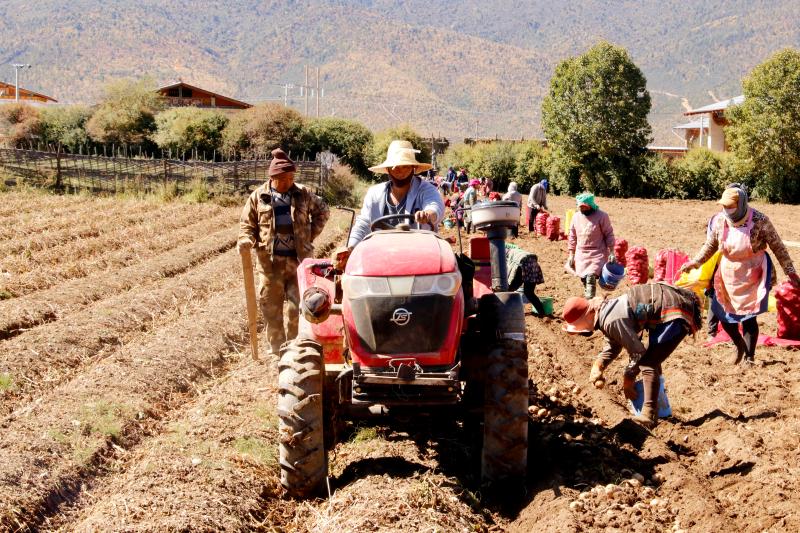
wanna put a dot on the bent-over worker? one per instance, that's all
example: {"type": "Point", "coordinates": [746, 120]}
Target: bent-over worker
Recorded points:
{"type": "Point", "coordinates": [667, 313]}
{"type": "Point", "coordinates": [280, 219]}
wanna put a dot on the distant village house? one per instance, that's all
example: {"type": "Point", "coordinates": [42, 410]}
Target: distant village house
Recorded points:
{"type": "Point", "coordinates": [7, 94]}
{"type": "Point", "coordinates": [182, 94]}
{"type": "Point", "coordinates": [707, 127]}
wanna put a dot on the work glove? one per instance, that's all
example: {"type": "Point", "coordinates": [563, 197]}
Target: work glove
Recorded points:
{"type": "Point", "coordinates": [689, 265]}
{"type": "Point", "coordinates": [612, 258]}
{"type": "Point", "coordinates": [425, 217]}
{"type": "Point", "coordinates": [795, 279]}
{"type": "Point", "coordinates": [244, 246]}
{"type": "Point", "coordinates": [596, 374]}
{"type": "Point", "coordinates": [571, 261]}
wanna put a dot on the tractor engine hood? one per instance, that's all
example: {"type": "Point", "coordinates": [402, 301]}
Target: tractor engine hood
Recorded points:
{"type": "Point", "coordinates": [401, 253]}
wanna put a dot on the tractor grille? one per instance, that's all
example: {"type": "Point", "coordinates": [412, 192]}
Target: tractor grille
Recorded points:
{"type": "Point", "coordinates": [402, 324]}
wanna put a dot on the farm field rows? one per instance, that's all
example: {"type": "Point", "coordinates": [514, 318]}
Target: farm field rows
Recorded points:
{"type": "Point", "coordinates": [129, 402]}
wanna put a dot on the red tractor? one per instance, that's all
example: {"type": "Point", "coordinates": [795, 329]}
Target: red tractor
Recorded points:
{"type": "Point", "coordinates": [408, 325]}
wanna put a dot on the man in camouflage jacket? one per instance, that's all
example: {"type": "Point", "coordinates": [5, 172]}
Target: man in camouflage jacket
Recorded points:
{"type": "Point", "coordinates": [280, 220]}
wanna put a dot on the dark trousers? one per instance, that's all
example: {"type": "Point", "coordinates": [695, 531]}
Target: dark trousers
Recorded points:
{"type": "Point", "coordinates": [664, 339]}
{"type": "Point", "coordinates": [746, 342]}
{"type": "Point", "coordinates": [532, 218]}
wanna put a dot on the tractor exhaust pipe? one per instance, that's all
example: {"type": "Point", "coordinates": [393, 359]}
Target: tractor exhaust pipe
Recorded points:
{"type": "Point", "coordinates": [497, 258]}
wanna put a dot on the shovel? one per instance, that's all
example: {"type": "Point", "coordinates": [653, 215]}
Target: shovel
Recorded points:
{"type": "Point", "coordinates": [250, 297]}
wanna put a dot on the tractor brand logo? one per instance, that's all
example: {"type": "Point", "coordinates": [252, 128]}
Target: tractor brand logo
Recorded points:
{"type": "Point", "coordinates": [401, 316]}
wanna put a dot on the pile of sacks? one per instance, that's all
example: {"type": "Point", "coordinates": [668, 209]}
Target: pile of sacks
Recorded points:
{"type": "Point", "coordinates": [787, 300]}
{"type": "Point", "coordinates": [667, 263]}
{"type": "Point", "coordinates": [541, 223]}
{"type": "Point", "coordinates": [620, 249]}
{"type": "Point", "coordinates": [554, 228]}
{"type": "Point", "coordinates": [637, 266]}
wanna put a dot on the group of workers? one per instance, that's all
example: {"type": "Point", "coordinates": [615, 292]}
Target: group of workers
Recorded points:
{"type": "Point", "coordinates": [281, 219]}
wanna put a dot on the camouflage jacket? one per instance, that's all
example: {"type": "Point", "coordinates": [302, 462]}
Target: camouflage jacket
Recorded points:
{"type": "Point", "coordinates": [257, 222]}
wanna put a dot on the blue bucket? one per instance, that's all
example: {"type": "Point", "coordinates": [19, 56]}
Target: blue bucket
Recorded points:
{"type": "Point", "coordinates": [611, 275]}
{"type": "Point", "coordinates": [664, 408]}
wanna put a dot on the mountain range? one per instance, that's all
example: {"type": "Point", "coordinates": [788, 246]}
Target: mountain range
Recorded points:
{"type": "Point", "coordinates": [447, 67]}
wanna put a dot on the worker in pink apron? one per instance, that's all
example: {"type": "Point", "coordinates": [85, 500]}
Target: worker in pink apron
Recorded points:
{"type": "Point", "coordinates": [590, 243]}
{"type": "Point", "coordinates": [745, 273]}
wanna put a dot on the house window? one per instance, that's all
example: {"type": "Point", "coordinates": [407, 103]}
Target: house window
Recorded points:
{"type": "Point", "coordinates": [172, 92]}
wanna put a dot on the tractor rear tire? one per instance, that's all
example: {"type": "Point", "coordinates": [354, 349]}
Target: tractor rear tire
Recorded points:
{"type": "Point", "coordinates": [505, 415]}
{"type": "Point", "coordinates": [303, 459]}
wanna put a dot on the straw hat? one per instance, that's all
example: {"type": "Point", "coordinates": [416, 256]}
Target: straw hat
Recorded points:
{"type": "Point", "coordinates": [401, 153]}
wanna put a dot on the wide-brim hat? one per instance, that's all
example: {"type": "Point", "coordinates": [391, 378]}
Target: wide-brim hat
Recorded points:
{"type": "Point", "coordinates": [401, 154]}
{"type": "Point", "coordinates": [578, 315]}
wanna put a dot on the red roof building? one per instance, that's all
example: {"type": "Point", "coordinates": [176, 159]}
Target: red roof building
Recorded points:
{"type": "Point", "coordinates": [182, 94]}
{"type": "Point", "coordinates": [25, 95]}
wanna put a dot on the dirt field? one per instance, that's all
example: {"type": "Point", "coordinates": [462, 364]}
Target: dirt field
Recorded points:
{"type": "Point", "coordinates": [128, 400]}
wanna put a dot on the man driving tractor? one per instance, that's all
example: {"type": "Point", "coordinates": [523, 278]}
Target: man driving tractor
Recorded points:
{"type": "Point", "coordinates": [404, 193]}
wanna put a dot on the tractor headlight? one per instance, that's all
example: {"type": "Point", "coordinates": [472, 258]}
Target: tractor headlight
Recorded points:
{"type": "Point", "coordinates": [355, 287]}
{"type": "Point", "coordinates": [444, 284]}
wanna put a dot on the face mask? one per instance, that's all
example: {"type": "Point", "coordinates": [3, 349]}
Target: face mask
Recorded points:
{"type": "Point", "coordinates": [730, 210]}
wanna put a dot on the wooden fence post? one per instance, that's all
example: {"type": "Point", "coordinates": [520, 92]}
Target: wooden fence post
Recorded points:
{"type": "Point", "coordinates": [58, 166]}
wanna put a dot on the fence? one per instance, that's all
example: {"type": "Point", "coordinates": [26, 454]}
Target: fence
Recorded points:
{"type": "Point", "coordinates": [103, 174]}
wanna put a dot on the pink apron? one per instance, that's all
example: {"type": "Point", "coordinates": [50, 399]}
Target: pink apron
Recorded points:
{"type": "Point", "coordinates": [591, 252]}
{"type": "Point", "coordinates": [741, 279]}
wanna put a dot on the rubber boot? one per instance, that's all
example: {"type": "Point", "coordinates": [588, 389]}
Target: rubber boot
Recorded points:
{"type": "Point", "coordinates": [649, 415]}
{"type": "Point", "coordinates": [589, 286]}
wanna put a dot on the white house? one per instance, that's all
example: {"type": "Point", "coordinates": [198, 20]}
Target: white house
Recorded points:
{"type": "Point", "coordinates": [707, 127]}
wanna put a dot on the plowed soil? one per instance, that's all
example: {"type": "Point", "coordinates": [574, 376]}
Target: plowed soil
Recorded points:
{"type": "Point", "coordinates": [130, 403]}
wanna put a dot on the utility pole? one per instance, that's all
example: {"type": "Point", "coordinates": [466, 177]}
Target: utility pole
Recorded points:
{"type": "Point", "coordinates": [317, 92]}
{"type": "Point", "coordinates": [18, 66]}
{"type": "Point", "coordinates": [305, 86]}
{"type": "Point", "coordinates": [476, 129]}
{"type": "Point", "coordinates": [286, 87]}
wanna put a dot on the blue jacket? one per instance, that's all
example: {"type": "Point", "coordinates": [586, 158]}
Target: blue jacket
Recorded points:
{"type": "Point", "coordinates": [422, 196]}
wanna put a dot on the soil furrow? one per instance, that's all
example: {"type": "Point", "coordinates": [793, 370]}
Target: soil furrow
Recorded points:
{"type": "Point", "coordinates": [70, 432]}
{"type": "Point", "coordinates": [45, 306]}
{"type": "Point", "coordinates": [45, 356]}
{"type": "Point", "coordinates": [48, 221]}
{"type": "Point", "coordinates": [42, 246]}
{"type": "Point", "coordinates": [133, 245]}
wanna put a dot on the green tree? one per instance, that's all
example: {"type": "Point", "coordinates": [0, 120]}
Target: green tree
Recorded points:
{"type": "Point", "coordinates": [764, 131]}
{"type": "Point", "coordinates": [532, 164]}
{"type": "Point", "coordinates": [263, 128]}
{"type": "Point", "coordinates": [380, 144]}
{"type": "Point", "coordinates": [699, 175]}
{"type": "Point", "coordinates": [348, 139]}
{"type": "Point", "coordinates": [126, 115]}
{"type": "Point", "coordinates": [595, 121]}
{"type": "Point", "coordinates": [65, 126]}
{"type": "Point", "coordinates": [188, 128]}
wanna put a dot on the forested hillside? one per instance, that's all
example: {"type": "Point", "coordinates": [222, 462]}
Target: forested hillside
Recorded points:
{"type": "Point", "coordinates": [444, 67]}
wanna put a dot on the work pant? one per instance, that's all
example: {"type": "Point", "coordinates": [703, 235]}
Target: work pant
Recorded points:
{"type": "Point", "coordinates": [277, 284]}
{"type": "Point", "coordinates": [532, 212]}
{"type": "Point", "coordinates": [745, 344]}
{"type": "Point", "coordinates": [664, 339]}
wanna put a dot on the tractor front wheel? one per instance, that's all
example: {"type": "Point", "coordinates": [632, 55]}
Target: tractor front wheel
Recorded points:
{"type": "Point", "coordinates": [303, 460]}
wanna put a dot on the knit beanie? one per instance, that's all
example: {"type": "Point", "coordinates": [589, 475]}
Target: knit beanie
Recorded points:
{"type": "Point", "coordinates": [280, 163]}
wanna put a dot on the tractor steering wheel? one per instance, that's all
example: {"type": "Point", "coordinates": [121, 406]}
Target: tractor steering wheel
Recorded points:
{"type": "Point", "coordinates": [382, 222]}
